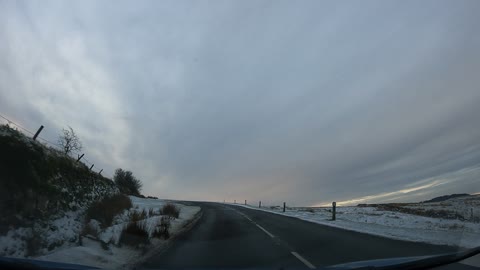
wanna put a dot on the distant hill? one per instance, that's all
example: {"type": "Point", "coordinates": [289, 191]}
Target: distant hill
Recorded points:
{"type": "Point", "coordinates": [446, 197]}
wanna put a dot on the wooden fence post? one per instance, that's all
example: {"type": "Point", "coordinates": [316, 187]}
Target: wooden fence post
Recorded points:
{"type": "Point", "coordinates": [260, 204]}
{"type": "Point", "coordinates": [334, 210]}
{"type": "Point", "coordinates": [80, 157]}
{"type": "Point", "coordinates": [91, 167]}
{"type": "Point", "coordinates": [38, 132]}
{"type": "Point", "coordinates": [284, 206]}
{"type": "Point", "coordinates": [245, 202]}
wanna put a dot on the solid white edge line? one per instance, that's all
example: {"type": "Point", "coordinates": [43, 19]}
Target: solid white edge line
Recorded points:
{"type": "Point", "coordinates": [303, 260]}
{"type": "Point", "coordinates": [265, 231]}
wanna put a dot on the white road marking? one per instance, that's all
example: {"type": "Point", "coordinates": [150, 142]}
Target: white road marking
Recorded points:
{"type": "Point", "coordinates": [300, 258]}
{"type": "Point", "coordinates": [265, 231]}
{"type": "Point", "coordinates": [303, 260]}
{"type": "Point", "coordinates": [261, 228]}
{"type": "Point", "coordinates": [247, 217]}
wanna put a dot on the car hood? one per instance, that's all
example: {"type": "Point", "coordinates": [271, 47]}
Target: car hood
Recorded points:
{"type": "Point", "coordinates": [418, 262]}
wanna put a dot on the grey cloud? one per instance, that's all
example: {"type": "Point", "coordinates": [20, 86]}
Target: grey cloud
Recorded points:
{"type": "Point", "coordinates": [307, 102]}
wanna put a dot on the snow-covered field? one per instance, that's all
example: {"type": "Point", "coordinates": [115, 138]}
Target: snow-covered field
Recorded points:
{"type": "Point", "coordinates": [65, 231]}
{"type": "Point", "coordinates": [398, 225]}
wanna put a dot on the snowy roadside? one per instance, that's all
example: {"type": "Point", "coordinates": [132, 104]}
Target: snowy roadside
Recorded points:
{"type": "Point", "coordinates": [390, 224]}
{"type": "Point", "coordinates": [95, 253]}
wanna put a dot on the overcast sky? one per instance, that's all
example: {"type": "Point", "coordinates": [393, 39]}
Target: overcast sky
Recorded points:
{"type": "Point", "coordinates": [299, 101]}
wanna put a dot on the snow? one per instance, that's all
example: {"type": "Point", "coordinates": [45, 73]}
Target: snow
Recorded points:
{"type": "Point", "coordinates": [397, 225]}
{"type": "Point", "coordinates": [112, 256]}
{"type": "Point", "coordinates": [12, 244]}
{"type": "Point", "coordinates": [92, 254]}
{"type": "Point", "coordinates": [112, 234]}
{"type": "Point", "coordinates": [60, 231]}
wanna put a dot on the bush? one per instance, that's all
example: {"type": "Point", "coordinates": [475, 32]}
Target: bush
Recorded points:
{"type": "Point", "coordinates": [170, 210]}
{"type": "Point", "coordinates": [127, 183]}
{"type": "Point", "coordinates": [106, 209]}
{"type": "Point", "coordinates": [134, 235]}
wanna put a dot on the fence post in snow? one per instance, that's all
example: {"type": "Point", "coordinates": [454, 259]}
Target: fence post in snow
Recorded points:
{"type": "Point", "coordinates": [38, 132]}
{"type": "Point", "coordinates": [284, 205]}
{"type": "Point", "coordinates": [245, 202]}
{"type": "Point", "coordinates": [260, 204]}
{"type": "Point", "coordinates": [334, 210]}
{"type": "Point", "coordinates": [91, 167]}
{"type": "Point", "coordinates": [100, 172]}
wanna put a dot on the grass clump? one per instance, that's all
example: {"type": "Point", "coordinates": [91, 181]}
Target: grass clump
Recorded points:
{"type": "Point", "coordinates": [106, 209]}
{"type": "Point", "coordinates": [162, 229]}
{"type": "Point", "coordinates": [136, 216]}
{"type": "Point", "coordinates": [134, 235]}
{"type": "Point", "coordinates": [151, 212]}
{"type": "Point", "coordinates": [170, 210]}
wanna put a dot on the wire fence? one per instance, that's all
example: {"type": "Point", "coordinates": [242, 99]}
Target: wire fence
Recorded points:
{"type": "Point", "coordinates": [57, 146]}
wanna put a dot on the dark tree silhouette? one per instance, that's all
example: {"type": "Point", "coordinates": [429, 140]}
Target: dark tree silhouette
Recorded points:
{"type": "Point", "coordinates": [126, 182]}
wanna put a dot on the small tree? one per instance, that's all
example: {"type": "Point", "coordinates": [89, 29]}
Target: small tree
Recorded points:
{"type": "Point", "coordinates": [126, 182]}
{"type": "Point", "coordinates": [69, 141]}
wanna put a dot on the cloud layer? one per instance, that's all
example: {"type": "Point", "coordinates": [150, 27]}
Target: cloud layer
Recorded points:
{"type": "Point", "coordinates": [275, 101]}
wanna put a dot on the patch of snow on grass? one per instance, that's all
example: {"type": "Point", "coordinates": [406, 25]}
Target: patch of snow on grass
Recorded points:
{"type": "Point", "coordinates": [111, 256]}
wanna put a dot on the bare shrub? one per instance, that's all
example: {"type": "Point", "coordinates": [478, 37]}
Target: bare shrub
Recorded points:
{"type": "Point", "coordinates": [170, 210]}
{"type": "Point", "coordinates": [69, 141]}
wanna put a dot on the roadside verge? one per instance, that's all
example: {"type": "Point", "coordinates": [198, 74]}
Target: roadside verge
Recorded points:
{"type": "Point", "coordinates": [388, 224]}
{"type": "Point", "coordinates": [93, 252]}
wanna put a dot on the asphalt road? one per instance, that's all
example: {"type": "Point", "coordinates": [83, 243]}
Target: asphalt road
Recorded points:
{"type": "Point", "coordinates": [229, 236]}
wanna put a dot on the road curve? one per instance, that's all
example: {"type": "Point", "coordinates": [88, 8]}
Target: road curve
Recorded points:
{"type": "Point", "coordinates": [229, 236]}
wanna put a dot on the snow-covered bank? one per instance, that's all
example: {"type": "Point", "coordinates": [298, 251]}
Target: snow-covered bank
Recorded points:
{"type": "Point", "coordinates": [94, 253]}
{"type": "Point", "coordinates": [395, 225]}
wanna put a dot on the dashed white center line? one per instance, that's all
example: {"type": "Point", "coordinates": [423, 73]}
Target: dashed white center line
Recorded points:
{"type": "Point", "coordinates": [300, 258]}
{"type": "Point", "coordinates": [245, 216]}
{"type": "Point", "coordinates": [303, 260]}
{"type": "Point", "coordinates": [265, 231]}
